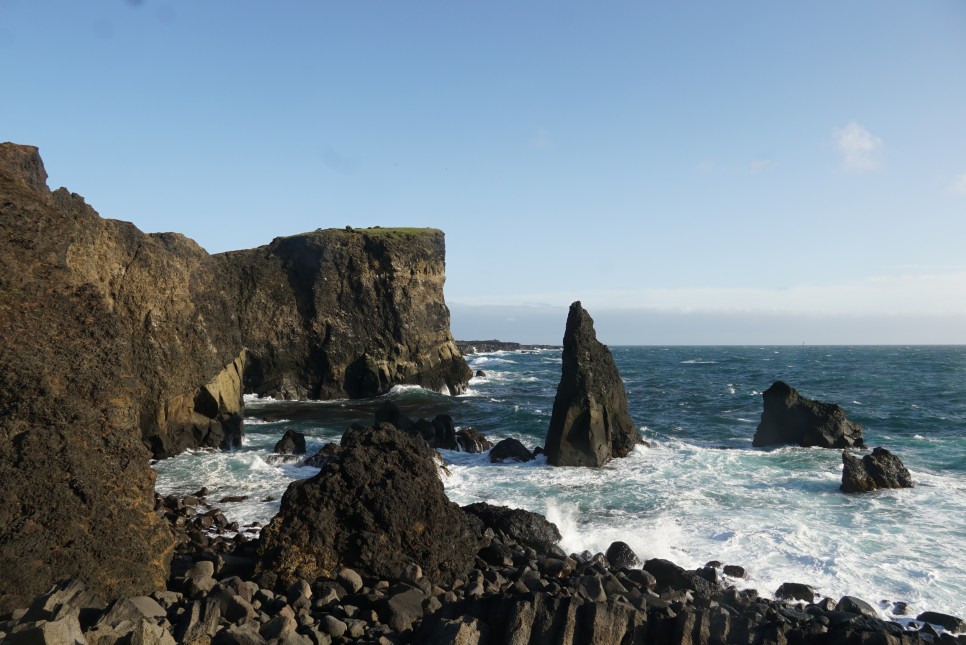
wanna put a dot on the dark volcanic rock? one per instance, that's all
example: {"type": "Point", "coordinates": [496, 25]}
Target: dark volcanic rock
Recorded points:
{"type": "Point", "coordinates": [590, 424]}
{"type": "Point", "coordinates": [621, 556]}
{"type": "Point", "coordinates": [789, 418]}
{"type": "Point", "coordinates": [376, 507]}
{"type": "Point", "coordinates": [529, 529]}
{"type": "Point", "coordinates": [291, 443]}
{"type": "Point", "coordinates": [325, 454]}
{"type": "Point", "coordinates": [510, 450]}
{"type": "Point", "coordinates": [113, 341]}
{"type": "Point", "coordinates": [471, 440]}
{"type": "Point", "coordinates": [947, 622]}
{"type": "Point", "coordinates": [881, 469]}
{"type": "Point", "coordinates": [346, 313]}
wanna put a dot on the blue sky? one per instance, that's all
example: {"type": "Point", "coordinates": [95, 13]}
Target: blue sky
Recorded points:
{"type": "Point", "coordinates": [753, 172]}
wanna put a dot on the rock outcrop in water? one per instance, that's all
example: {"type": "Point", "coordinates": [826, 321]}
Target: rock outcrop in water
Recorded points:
{"type": "Point", "coordinates": [378, 507]}
{"type": "Point", "coordinates": [113, 341]}
{"type": "Point", "coordinates": [590, 424]}
{"type": "Point", "coordinates": [790, 418]}
{"type": "Point", "coordinates": [881, 469]}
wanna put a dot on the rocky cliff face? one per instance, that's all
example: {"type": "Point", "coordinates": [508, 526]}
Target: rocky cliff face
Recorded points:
{"type": "Point", "coordinates": [113, 341]}
{"type": "Point", "coordinates": [346, 313]}
{"type": "Point", "coordinates": [590, 423]}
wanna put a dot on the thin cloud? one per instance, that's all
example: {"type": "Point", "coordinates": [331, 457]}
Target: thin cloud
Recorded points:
{"type": "Point", "coordinates": [541, 140]}
{"type": "Point", "coordinates": [958, 187]}
{"type": "Point", "coordinates": [861, 150]}
{"type": "Point", "coordinates": [936, 293]}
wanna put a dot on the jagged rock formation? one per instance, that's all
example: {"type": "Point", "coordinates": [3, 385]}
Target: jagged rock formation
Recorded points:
{"type": "Point", "coordinates": [113, 341]}
{"type": "Point", "coordinates": [346, 313]}
{"type": "Point", "coordinates": [881, 469]}
{"type": "Point", "coordinates": [378, 506]}
{"type": "Point", "coordinates": [590, 424]}
{"type": "Point", "coordinates": [790, 418]}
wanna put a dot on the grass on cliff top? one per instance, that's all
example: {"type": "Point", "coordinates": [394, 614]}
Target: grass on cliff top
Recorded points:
{"type": "Point", "coordinates": [383, 233]}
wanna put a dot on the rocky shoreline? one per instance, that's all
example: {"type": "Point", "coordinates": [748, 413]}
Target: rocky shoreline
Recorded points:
{"type": "Point", "coordinates": [470, 347]}
{"type": "Point", "coordinates": [521, 588]}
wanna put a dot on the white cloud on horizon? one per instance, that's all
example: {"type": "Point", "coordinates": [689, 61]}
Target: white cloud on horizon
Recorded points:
{"type": "Point", "coordinates": [958, 187]}
{"type": "Point", "coordinates": [911, 294]}
{"type": "Point", "coordinates": [860, 149]}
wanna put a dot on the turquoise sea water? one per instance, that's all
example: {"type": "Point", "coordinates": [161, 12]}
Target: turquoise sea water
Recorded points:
{"type": "Point", "coordinates": [700, 492]}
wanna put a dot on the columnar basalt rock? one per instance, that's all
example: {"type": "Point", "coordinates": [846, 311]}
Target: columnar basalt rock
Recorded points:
{"type": "Point", "coordinates": [790, 418]}
{"type": "Point", "coordinates": [590, 424]}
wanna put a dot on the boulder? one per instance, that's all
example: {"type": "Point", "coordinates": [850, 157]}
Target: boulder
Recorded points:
{"type": "Point", "coordinates": [950, 623]}
{"type": "Point", "coordinates": [376, 507]}
{"type": "Point", "coordinates": [881, 469]}
{"type": "Point", "coordinates": [621, 556]}
{"type": "Point", "coordinates": [510, 450]}
{"type": "Point", "coordinates": [590, 424]}
{"type": "Point", "coordinates": [291, 443]}
{"type": "Point", "coordinates": [789, 418]}
{"type": "Point", "coordinates": [795, 591]}
{"type": "Point", "coordinates": [526, 528]}
{"type": "Point", "coordinates": [471, 440]}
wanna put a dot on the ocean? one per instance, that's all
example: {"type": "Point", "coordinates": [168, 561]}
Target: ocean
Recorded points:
{"type": "Point", "coordinates": [699, 492]}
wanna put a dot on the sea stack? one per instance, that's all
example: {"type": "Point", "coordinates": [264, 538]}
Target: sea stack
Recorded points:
{"type": "Point", "coordinates": [881, 469]}
{"type": "Point", "coordinates": [590, 424]}
{"type": "Point", "coordinates": [790, 418]}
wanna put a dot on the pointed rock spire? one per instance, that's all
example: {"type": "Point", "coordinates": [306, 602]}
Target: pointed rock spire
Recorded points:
{"type": "Point", "coordinates": [590, 424]}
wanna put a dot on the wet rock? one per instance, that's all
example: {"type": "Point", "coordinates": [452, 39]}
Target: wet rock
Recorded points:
{"type": "Point", "coordinates": [671, 575]}
{"type": "Point", "coordinates": [470, 440]}
{"type": "Point", "coordinates": [526, 528]}
{"type": "Point", "coordinates": [291, 443]}
{"type": "Point", "coordinates": [621, 556]}
{"type": "Point", "coordinates": [377, 507]}
{"type": "Point", "coordinates": [881, 469]}
{"type": "Point", "coordinates": [480, 374]}
{"type": "Point", "coordinates": [734, 571]}
{"type": "Point", "coordinates": [949, 623]}
{"type": "Point", "coordinates": [795, 591]}
{"type": "Point", "coordinates": [789, 418]}
{"type": "Point", "coordinates": [510, 450]}
{"type": "Point", "coordinates": [855, 605]}
{"type": "Point", "coordinates": [325, 454]}
{"type": "Point", "coordinates": [590, 424]}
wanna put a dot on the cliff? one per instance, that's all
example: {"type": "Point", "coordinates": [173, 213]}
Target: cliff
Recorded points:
{"type": "Point", "coordinates": [346, 313]}
{"type": "Point", "coordinates": [116, 346]}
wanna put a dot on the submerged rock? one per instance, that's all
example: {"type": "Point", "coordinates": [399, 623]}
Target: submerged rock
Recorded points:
{"type": "Point", "coordinates": [291, 443]}
{"type": "Point", "coordinates": [510, 450]}
{"type": "Point", "coordinates": [590, 424]}
{"type": "Point", "coordinates": [471, 440]}
{"type": "Point", "coordinates": [789, 418]}
{"type": "Point", "coordinates": [881, 469]}
{"type": "Point", "coordinates": [377, 507]}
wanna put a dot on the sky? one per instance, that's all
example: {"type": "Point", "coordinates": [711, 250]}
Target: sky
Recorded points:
{"type": "Point", "coordinates": [694, 173]}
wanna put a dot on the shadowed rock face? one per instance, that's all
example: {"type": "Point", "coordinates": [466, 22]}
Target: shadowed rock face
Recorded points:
{"type": "Point", "coordinates": [377, 506]}
{"type": "Point", "coordinates": [881, 469]}
{"type": "Point", "coordinates": [117, 346]}
{"type": "Point", "coordinates": [346, 313]}
{"type": "Point", "coordinates": [590, 424]}
{"type": "Point", "coordinates": [789, 418]}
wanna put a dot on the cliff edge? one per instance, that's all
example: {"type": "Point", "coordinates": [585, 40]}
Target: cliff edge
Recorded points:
{"type": "Point", "coordinates": [346, 313]}
{"type": "Point", "coordinates": [117, 346]}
